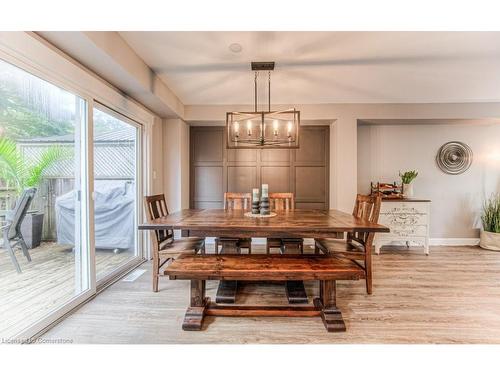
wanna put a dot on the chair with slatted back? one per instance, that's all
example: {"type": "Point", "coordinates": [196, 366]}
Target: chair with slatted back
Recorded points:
{"type": "Point", "coordinates": [235, 201]}
{"type": "Point", "coordinates": [283, 202]}
{"type": "Point", "coordinates": [11, 229]}
{"type": "Point", "coordinates": [358, 246]}
{"type": "Point", "coordinates": [165, 248]}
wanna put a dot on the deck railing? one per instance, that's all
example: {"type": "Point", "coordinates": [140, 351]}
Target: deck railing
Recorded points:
{"type": "Point", "coordinates": [8, 197]}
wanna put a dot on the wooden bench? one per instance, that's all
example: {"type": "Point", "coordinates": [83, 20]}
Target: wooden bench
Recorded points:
{"type": "Point", "coordinates": [326, 269]}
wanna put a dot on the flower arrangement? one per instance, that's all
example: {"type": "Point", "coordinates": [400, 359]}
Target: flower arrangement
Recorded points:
{"type": "Point", "coordinates": [408, 176]}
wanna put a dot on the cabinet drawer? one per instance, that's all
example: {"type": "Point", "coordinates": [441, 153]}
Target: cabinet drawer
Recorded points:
{"type": "Point", "coordinates": [407, 231]}
{"type": "Point", "coordinates": [405, 206]}
{"type": "Point", "coordinates": [398, 220]}
{"type": "Point", "coordinates": [398, 215]}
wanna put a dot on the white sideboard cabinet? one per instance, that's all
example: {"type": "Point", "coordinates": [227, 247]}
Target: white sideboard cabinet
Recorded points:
{"type": "Point", "coordinates": [408, 220]}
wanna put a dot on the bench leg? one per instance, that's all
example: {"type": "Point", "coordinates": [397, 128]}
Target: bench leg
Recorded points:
{"type": "Point", "coordinates": [195, 313]}
{"type": "Point", "coordinates": [326, 303]}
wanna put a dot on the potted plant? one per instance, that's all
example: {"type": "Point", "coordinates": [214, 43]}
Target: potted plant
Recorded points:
{"type": "Point", "coordinates": [490, 232]}
{"type": "Point", "coordinates": [22, 174]}
{"type": "Point", "coordinates": [407, 180]}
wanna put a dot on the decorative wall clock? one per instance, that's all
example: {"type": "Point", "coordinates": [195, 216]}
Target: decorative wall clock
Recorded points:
{"type": "Point", "coordinates": [454, 157]}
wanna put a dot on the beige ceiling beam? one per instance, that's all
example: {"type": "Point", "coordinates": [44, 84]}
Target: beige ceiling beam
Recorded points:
{"type": "Point", "coordinates": [107, 55]}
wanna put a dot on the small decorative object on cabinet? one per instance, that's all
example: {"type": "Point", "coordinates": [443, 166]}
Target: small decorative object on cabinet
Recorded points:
{"type": "Point", "coordinates": [407, 181]}
{"type": "Point", "coordinates": [490, 232]}
{"type": "Point", "coordinates": [388, 191]}
{"type": "Point", "coordinates": [408, 220]}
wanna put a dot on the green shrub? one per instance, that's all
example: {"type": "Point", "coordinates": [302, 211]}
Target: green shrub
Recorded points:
{"type": "Point", "coordinates": [491, 214]}
{"type": "Point", "coordinates": [17, 172]}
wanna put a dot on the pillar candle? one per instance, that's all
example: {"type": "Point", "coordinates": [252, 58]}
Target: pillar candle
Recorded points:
{"type": "Point", "coordinates": [265, 190]}
{"type": "Point", "coordinates": [255, 195]}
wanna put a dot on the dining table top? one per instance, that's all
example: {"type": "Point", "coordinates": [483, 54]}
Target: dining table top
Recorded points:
{"type": "Point", "coordinates": [298, 222]}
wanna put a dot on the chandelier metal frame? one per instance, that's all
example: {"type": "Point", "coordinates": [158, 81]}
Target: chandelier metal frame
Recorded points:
{"type": "Point", "coordinates": [266, 118]}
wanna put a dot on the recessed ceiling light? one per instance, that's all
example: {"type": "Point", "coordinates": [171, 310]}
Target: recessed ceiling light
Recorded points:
{"type": "Point", "coordinates": [235, 47]}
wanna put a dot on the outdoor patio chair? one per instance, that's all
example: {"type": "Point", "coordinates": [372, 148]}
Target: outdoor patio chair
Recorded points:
{"type": "Point", "coordinates": [11, 229]}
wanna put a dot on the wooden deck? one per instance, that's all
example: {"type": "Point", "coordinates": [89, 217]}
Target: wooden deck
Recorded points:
{"type": "Point", "coordinates": [451, 296]}
{"type": "Point", "coordinates": [46, 283]}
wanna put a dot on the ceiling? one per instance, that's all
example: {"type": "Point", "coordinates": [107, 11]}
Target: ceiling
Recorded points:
{"type": "Point", "coordinates": [326, 67]}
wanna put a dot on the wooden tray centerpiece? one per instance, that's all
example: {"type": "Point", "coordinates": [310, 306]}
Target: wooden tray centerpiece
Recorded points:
{"type": "Point", "coordinates": [259, 215]}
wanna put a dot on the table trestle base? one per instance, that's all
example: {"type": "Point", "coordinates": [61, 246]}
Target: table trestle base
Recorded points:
{"type": "Point", "coordinates": [324, 307]}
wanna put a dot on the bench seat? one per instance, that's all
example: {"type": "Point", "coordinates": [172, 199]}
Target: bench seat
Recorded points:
{"type": "Point", "coordinates": [263, 267]}
{"type": "Point", "coordinates": [326, 269]}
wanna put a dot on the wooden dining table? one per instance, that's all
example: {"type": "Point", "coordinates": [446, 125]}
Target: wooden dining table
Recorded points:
{"type": "Point", "coordinates": [298, 223]}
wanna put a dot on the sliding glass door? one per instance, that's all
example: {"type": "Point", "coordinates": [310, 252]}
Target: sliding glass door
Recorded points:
{"type": "Point", "coordinates": [45, 255]}
{"type": "Point", "coordinates": [70, 182]}
{"type": "Point", "coordinates": [116, 185]}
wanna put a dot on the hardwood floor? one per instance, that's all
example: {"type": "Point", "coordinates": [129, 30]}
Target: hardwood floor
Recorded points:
{"type": "Point", "coordinates": [451, 296]}
{"type": "Point", "coordinates": [45, 284]}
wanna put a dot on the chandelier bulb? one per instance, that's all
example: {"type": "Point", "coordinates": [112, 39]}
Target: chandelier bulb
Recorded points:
{"type": "Point", "coordinates": [275, 127]}
{"type": "Point", "coordinates": [237, 129]}
{"type": "Point", "coordinates": [289, 128]}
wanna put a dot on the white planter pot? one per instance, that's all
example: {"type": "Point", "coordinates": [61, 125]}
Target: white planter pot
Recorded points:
{"type": "Point", "coordinates": [489, 240]}
{"type": "Point", "coordinates": [408, 190]}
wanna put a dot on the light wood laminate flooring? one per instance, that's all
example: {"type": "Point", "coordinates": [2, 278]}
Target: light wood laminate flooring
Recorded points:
{"type": "Point", "coordinates": [450, 296]}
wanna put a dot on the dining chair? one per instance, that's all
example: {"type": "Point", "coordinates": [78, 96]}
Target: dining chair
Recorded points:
{"type": "Point", "coordinates": [358, 246]}
{"type": "Point", "coordinates": [283, 202]}
{"type": "Point", "coordinates": [235, 201]}
{"type": "Point", "coordinates": [165, 248]}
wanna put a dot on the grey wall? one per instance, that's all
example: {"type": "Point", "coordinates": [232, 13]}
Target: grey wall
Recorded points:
{"type": "Point", "coordinates": [383, 150]}
{"type": "Point", "coordinates": [216, 169]}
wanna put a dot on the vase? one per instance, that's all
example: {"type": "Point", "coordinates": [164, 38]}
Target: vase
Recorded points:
{"type": "Point", "coordinates": [408, 190]}
{"type": "Point", "coordinates": [489, 240]}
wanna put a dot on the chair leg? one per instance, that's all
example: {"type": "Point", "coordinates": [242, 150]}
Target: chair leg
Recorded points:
{"type": "Point", "coordinates": [24, 247]}
{"type": "Point", "coordinates": [13, 258]}
{"type": "Point", "coordinates": [156, 271]}
{"type": "Point", "coordinates": [316, 248]}
{"type": "Point", "coordinates": [368, 269]}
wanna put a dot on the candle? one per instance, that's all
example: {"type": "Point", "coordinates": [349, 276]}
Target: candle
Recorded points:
{"type": "Point", "coordinates": [265, 190]}
{"type": "Point", "coordinates": [289, 129]}
{"type": "Point", "coordinates": [275, 127]}
{"type": "Point", "coordinates": [249, 128]}
{"type": "Point", "coordinates": [255, 195]}
{"type": "Point", "coordinates": [237, 129]}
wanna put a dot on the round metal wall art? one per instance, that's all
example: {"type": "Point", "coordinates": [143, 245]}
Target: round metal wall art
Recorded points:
{"type": "Point", "coordinates": [454, 157]}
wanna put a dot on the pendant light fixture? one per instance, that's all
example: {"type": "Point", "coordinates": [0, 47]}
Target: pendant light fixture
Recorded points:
{"type": "Point", "coordinates": [263, 129]}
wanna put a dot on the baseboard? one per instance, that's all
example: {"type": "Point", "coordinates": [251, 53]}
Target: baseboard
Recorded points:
{"type": "Point", "coordinates": [454, 241]}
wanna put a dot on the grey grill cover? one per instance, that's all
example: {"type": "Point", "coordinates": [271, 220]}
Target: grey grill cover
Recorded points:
{"type": "Point", "coordinates": [114, 215]}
